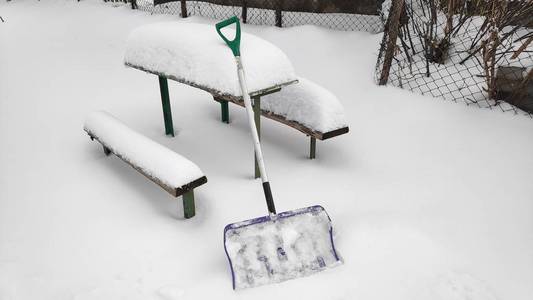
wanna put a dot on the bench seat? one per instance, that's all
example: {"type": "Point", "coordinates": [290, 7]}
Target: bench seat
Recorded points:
{"type": "Point", "coordinates": [305, 106]}
{"type": "Point", "coordinates": [174, 173]}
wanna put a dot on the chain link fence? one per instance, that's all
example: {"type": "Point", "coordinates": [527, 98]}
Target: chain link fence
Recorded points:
{"type": "Point", "coordinates": [476, 52]}
{"type": "Point", "coordinates": [360, 15]}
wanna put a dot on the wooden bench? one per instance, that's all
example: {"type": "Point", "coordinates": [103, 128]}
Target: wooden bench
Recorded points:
{"type": "Point", "coordinates": [194, 55]}
{"type": "Point", "coordinates": [171, 171]}
{"type": "Point", "coordinates": [305, 106]}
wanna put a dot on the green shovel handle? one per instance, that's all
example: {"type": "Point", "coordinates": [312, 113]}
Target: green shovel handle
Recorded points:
{"type": "Point", "coordinates": [236, 43]}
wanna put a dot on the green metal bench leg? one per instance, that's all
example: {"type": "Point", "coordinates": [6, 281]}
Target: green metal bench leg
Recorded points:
{"type": "Point", "coordinates": [312, 148]}
{"type": "Point", "coordinates": [165, 99]}
{"type": "Point", "coordinates": [188, 205]}
{"type": "Point", "coordinates": [224, 108]}
{"type": "Point", "coordinates": [257, 119]}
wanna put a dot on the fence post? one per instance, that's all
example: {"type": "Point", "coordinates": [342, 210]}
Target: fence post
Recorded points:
{"type": "Point", "coordinates": [389, 37]}
{"type": "Point", "coordinates": [244, 15]}
{"type": "Point", "coordinates": [279, 5]}
{"type": "Point", "coordinates": [183, 8]}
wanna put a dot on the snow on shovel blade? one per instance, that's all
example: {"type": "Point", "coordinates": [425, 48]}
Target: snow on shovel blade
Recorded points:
{"type": "Point", "coordinates": [267, 250]}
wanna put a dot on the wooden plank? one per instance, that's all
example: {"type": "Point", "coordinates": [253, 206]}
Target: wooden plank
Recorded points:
{"type": "Point", "coordinates": [174, 191]}
{"type": "Point", "coordinates": [270, 90]}
{"type": "Point", "coordinates": [212, 91]}
{"type": "Point", "coordinates": [334, 133]}
{"type": "Point", "coordinates": [190, 186]}
{"type": "Point", "coordinates": [298, 126]}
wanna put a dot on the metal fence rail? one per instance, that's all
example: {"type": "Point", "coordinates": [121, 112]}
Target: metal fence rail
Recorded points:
{"type": "Point", "coordinates": [360, 15]}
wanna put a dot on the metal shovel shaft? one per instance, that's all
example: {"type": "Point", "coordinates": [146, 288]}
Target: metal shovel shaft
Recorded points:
{"type": "Point", "coordinates": [255, 136]}
{"type": "Point", "coordinates": [251, 121]}
{"type": "Point", "coordinates": [235, 45]}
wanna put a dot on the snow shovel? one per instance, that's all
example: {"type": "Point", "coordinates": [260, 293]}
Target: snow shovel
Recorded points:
{"type": "Point", "coordinates": [276, 247]}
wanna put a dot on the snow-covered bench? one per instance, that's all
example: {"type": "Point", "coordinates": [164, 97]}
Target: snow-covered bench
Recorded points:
{"type": "Point", "coordinates": [195, 55]}
{"type": "Point", "coordinates": [171, 171]}
{"type": "Point", "coordinates": [305, 106]}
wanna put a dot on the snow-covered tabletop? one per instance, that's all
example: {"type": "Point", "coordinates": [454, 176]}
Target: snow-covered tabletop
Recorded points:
{"type": "Point", "coordinates": [194, 54]}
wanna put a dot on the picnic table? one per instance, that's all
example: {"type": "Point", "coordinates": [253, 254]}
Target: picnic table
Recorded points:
{"type": "Point", "coordinates": [193, 54]}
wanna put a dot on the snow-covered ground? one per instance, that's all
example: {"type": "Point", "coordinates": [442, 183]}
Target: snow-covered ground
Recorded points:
{"type": "Point", "coordinates": [429, 199]}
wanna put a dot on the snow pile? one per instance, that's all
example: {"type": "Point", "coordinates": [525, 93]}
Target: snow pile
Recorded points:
{"type": "Point", "coordinates": [154, 159]}
{"type": "Point", "coordinates": [195, 53]}
{"type": "Point", "coordinates": [309, 104]}
{"type": "Point", "coordinates": [268, 250]}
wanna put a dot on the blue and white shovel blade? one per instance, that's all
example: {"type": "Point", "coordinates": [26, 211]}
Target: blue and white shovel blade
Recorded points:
{"type": "Point", "coordinates": [268, 250]}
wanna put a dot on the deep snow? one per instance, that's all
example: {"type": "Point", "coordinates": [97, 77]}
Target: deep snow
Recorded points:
{"type": "Point", "coordinates": [429, 199]}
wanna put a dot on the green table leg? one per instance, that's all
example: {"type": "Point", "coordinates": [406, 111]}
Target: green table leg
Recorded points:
{"type": "Point", "coordinates": [257, 119]}
{"type": "Point", "coordinates": [165, 99]}
{"type": "Point", "coordinates": [188, 205]}
{"type": "Point", "coordinates": [312, 148]}
{"type": "Point", "coordinates": [224, 108]}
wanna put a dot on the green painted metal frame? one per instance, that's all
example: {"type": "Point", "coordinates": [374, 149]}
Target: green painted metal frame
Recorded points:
{"type": "Point", "coordinates": [188, 204]}
{"type": "Point", "coordinates": [167, 111]}
{"type": "Point", "coordinates": [224, 109]}
{"type": "Point", "coordinates": [312, 148]}
{"type": "Point", "coordinates": [257, 118]}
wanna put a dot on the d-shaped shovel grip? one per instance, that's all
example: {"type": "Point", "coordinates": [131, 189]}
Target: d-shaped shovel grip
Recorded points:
{"type": "Point", "coordinates": [235, 44]}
